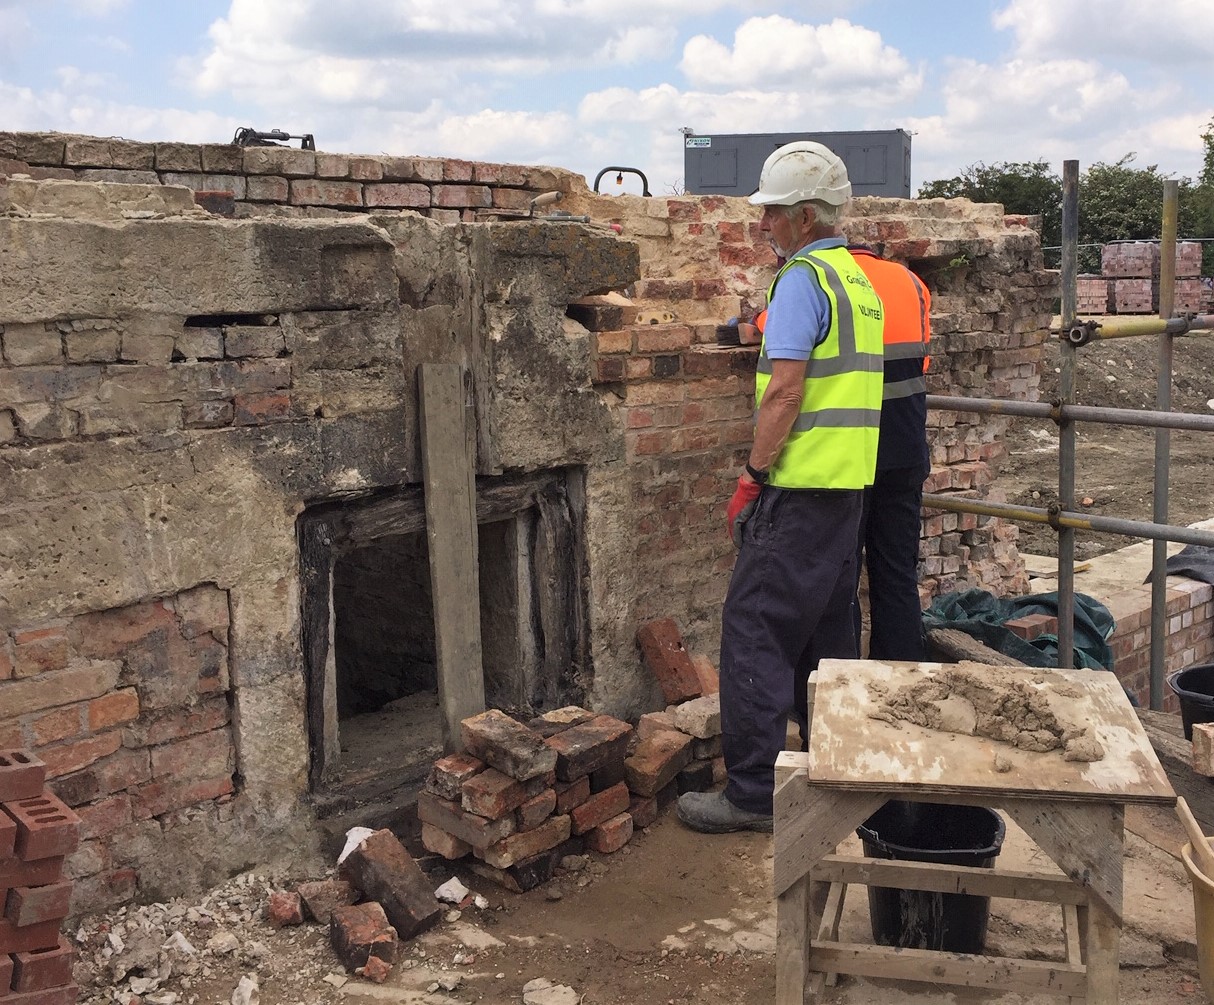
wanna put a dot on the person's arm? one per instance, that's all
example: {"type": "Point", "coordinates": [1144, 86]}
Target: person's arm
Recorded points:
{"type": "Point", "coordinates": [778, 411]}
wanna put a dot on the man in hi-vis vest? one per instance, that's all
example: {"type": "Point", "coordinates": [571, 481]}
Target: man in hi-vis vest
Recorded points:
{"type": "Point", "coordinates": [796, 512]}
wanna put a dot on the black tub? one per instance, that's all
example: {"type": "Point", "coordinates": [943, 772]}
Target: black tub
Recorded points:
{"type": "Point", "coordinates": [931, 832]}
{"type": "Point", "coordinates": [1195, 689]}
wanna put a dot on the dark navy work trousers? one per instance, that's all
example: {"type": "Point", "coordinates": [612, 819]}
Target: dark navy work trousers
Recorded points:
{"type": "Point", "coordinates": [889, 540]}
{"type": "Point", "coordinates": [789, 605]}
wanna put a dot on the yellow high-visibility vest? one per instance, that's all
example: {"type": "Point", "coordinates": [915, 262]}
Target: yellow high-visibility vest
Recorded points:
{"type": "Point", "coordinates": [833, 443]}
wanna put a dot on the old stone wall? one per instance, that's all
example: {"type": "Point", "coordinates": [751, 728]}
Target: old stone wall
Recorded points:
{"type": "Point", "coordinates": [176, 388]}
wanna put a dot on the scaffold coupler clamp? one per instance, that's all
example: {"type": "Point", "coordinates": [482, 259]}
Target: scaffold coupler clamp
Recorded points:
{"type": "Point", "coordinates": [1052, 514]}
{"type": "Point", "coordinates": [1082, 332]}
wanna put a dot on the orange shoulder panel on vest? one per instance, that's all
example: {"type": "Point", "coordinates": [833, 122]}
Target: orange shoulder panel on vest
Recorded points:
{"type": "Point", "coordinates": [907, 301]}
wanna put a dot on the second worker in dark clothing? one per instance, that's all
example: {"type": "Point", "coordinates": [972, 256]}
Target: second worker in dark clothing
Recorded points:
{"type": "Point", "coordinates": [890, 524]}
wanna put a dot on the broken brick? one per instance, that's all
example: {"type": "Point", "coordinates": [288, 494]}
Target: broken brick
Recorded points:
{"type": "Point", "coordinates": [662, 648]}
{"type": "Point", "coordinates": [706, 750]}
{"type": "Point", "coordinates": [656, 761]}
{"type": "Point", "coordinates": [653, 722]}
{"type": "Point", "coordinates": [492, 794]}
{"type": "Point", "coordinates": [696, 777]}
{"type": "Point", "coordinates": [449, 774]}
{"type": "Point", "coordinates": [40, 969]}
{"type": "Point", "coordinates": [611, 835]}
{"type": "Point", "coordinates": [643, 810]}
{"type": "Point", "coordinates": [323, 895]}
{"type": "Point", "coordinates": [360, 931]}
{"type": "Point", "coordinates": [509, 746]}
{"type": "Point", "coordinates": [706, 673]}
{"type": "Point", "coordinates": [449, 816]}
{"type": "Point", "coordinates": [719, 771]}
{"type": "Point", "coordinates": [525, 875]}
{"type": "Point", "coordinates": [384, 871]}
{"type": "Point", "coordinates": [598, 808]}
{"type": "Point", "coordinates": [571, 794]}
{"type": "Point", "coordinates": [22, 775]}
{"type": "Point", "coordinates": [700, 717]}
{"type": "Point", "coordinates": [589, 746]}
{"type": "Point", "coordinates": [536, 810]}
{"type": "Point", "coordinates": [437, 840]}
{"type": "Point", "coordinates": [284, 908]}
{"type": "Point", "coordinates": [376, 970]}
{"type": "Point", "coordinates": [32, 905]}
{"type": "Point", "coordinates": [46, 828]}
{"type": "Point", "coordinates": [528, 844]}
{"type": "Point", "coordinates": [560, 719]}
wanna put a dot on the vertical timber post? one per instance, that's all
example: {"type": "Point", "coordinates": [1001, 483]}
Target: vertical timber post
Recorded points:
{"type": "Point", "coordinates": [1163, 443]}
{"type": "Point", "coordinates": [448, 469]}
{"type": "Point", "coordinates": [1066, 427]}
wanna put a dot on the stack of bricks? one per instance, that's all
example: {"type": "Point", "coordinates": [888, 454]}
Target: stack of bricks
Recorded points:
{"type": "Point", "coordinates": [36, 832]}
{"type": "Point", "coordinates": [520, 797]}
{"type": "Point", "coordinates": [1133, 273]}
{"type": "Point", "coordinates": [1094, 295]}
{"type": "Point", "coordinates": [1189, 290]}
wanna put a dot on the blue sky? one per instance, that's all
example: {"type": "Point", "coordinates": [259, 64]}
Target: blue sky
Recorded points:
{"type": "Point", "coordinates": [583, 84]}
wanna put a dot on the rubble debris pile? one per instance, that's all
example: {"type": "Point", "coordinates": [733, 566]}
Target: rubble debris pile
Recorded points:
{"type": "Point", "coordinates": [36, 832]}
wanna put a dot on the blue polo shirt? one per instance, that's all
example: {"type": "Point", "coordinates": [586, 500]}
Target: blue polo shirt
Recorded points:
{"type": "Point", "coordinates": [798, 318]}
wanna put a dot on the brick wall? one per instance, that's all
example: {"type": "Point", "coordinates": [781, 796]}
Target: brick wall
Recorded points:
{"type": "Point", "coordinates": [130, 711]}
{"type": "Point", "coordinates": [281, 179]}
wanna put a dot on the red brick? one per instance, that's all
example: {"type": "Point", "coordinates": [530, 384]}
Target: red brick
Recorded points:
{"type": "Point", "coordinates": [449, 816]}
{"type": "Point", "coordinates": [536, 810]}
{"type": "Point", "coordinates": [643, 810]}
{"type": "Point", "coordinates": [46, 828]}
{"type": "Point", "coordinates": [32, 937]}
{"type": "Point", "coordinates": [657, 761]}
{"type": "Point", "coordinates": [527, 874]}
{"type": "Point", "coordinates": [663, 338]}
{"type": "Point", "coordinates": [611, 835]}
{"type": "Point", "coordinates": [32, 905]}
{"type": "Point", "coordinates": [22, 775]}
{"type": "Point", "coordinates": [65, 723]}
{"type": "Point", "coordinates": [706, 673]}
{"type": "Point", "coordinates": [437, 840]}
{"type": "Point", "coordinates": [161, 797]}
{"type": "Point", "coordinates": [528, 844]}
{"type": "Point", "coordinates": [571, 794]}
{"type": "Point", "coordinates": [8, 835]}
{"type": "Point", "coordinates": [560, 719]}
{"type": "Point", "coordinates": [65, 995]}
{"type": "Point", "coordinates": [40, 651]}
{"type": "Point", "coordinates": [397, 196]}
{"type": "Point", "coordinates": [609, 343]}
{"type": "Point", "coordinates": [376, 970]}
{"type": "Point", "coordinates": [6, 659]}
{"type": "Point", "coordinates": [589, 746]}
{"type": "Point", "coordinates": [64, 758]}
{"type": "Point", "coordinates": [492, 794]}
{"type": "Point", "coordinates": [662, 648]}
{"type": "Point", "coordinates": [458, 170]}
{"type": "Point", "coordinates": [207, 754]}
{"type": "Point", "coordinates": [40, 969]}
{"type": "Point", "coordinates": [322, 896]}
{"type": "Point", "coordinates": [121, 706]}
{"type": "Point", "coordinates": [314, 192]}
{"type": "Point", "coordinates": [599, 808]}
{"type": "Point", "coordinates": [449, 774]}
{"type": "Point", "coordinates": [461, 196]}
{"type": "Point", "coordinates": [104, 817]}
{"type": "Point", "coordinates": [507, 745]}
{"type": "Point", "coordinates": [256, 409]}
{"type": "Point", "coordinates": [360, 931]}
{"type": "Point", "coordinates": [385, 872]}
{"type": "Point", "coordinates": [6, 974]}
{"type": "Point", "coordinates": [14, 872]}
{"type": "Point", "coordinates": [655, 722]}
{"type": "Point", "coordinates": [284, 909]}
{"type": "Point", "coordinates": [110, 635]}
{"type": "Point", "coordinates": [154, 728]}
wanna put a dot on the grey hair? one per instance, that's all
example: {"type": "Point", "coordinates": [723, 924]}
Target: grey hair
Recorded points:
{"type": "Point", "coordinates": [824, 213]}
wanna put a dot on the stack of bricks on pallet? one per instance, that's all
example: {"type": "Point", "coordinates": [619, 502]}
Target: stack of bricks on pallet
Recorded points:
{"type": "Point", "coordinates": [1132, 272]}
{"type": "Point", "coordinates": [1094, 295]}
{"type": "Point", "coordinates": [36, 832]}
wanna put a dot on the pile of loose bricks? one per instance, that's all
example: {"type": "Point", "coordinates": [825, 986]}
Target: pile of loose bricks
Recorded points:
{"type": "Point", "coordinates": [521, 797]}
{"type": "Point", "coordinates": [36, 832]}
{"type": "Point", "coordinates": [1129, 280]}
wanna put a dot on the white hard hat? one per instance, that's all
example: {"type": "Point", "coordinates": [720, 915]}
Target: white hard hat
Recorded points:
{"type": "Point", "coordinates": [800, 171]}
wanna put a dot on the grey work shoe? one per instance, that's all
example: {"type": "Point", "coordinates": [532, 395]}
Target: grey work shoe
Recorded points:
{"type": "Point", "coordinates": [712, 813]}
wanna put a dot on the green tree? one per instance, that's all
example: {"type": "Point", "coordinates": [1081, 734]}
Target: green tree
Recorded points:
{"type": "Point", "coordinates": [1021, 187]}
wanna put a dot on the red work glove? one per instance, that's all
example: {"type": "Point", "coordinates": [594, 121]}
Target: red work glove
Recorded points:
{"type": "Point", "coordinates": [741, 506]}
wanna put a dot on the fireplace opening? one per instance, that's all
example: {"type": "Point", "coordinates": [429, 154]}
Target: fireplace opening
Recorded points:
{"type": "Point", "coordinates": [375, 723]}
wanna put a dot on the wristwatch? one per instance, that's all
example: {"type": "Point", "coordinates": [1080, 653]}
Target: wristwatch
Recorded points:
{"type": "Point", "coordinates": [759, 476]}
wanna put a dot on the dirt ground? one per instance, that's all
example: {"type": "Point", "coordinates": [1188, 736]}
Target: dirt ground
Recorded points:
{"type": "Point", "coordinates": [1114, 464]}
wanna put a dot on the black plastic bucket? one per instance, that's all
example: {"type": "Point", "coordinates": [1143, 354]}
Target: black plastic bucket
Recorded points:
{"type": "Point", "coordinates": [931, 832]}
{"type": "Point", "coordinates": [1195, 689]}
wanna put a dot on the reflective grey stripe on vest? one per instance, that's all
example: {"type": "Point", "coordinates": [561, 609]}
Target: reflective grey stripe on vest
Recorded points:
{"type": "Point", "coordinates": [906, 350]}
{"type": "Point", "coordinates": [833, 366]}
{"type": "Point", "coordinates": [847, 321]}
{"type": "Point", "coordinates": [848, 418]}
{"type": "Point", "coordinates": [904, 388]}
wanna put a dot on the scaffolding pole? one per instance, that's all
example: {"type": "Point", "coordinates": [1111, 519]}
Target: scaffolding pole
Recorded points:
{"type": "Point", "coordinates": [1066, 427]}
{"type": "Point", "coordinates": [1189, 421]}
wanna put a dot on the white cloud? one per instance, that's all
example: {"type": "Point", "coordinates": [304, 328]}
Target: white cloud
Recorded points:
{"type": "Point", "coordinates": [777, 51]}
{"type": "Point", "coordinates": [634, 45]}
{"type": "Point", "coordinates": [1162, 31]}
